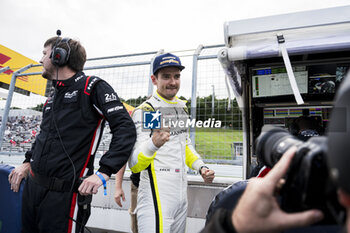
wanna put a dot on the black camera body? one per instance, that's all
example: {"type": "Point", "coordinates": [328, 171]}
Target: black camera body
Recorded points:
{"type": "Point", "coordinates": [308, 184]}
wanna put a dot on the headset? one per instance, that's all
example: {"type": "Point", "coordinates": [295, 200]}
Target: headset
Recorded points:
{"type": "Point", "coordinates": [60, 56]}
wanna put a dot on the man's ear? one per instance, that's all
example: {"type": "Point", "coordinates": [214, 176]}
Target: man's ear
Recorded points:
{"type": "Point", "coordinates": [154, 79]}
{"type": "Point", "coordinates": [344, 198]}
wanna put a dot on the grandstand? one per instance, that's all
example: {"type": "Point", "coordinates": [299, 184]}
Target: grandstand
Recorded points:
{"type": "Point", "coordinates": [24, 124]}
{"type": "Point", "coordinates": [21, 129]}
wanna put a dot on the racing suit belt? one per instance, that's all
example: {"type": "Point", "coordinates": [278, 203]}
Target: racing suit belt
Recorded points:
{"type": "Point", "coordinates": [53, 183]}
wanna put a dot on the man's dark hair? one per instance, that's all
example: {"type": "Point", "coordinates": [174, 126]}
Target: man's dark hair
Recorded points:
{"type": "Point", "coordinates": [77, 57]}
{"type": "Point", "coordinates": [156, 74]}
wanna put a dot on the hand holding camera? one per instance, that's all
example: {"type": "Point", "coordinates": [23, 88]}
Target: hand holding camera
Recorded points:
{"type": "Point", "coordinates": [260, 203]}
{"type": "Point", "coordinates": [308, 184]}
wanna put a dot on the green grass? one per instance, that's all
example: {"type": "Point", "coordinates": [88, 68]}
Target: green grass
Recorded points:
{"type": "Point", "coordinates": [216, 143]}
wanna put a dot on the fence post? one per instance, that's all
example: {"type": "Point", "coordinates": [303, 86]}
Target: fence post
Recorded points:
{"type": "Point", "coordinates": [194, 91]}
{"type": "Point", "coordinates": [213, 101]}
{"type": "Point", "coordinates": [9, 100]}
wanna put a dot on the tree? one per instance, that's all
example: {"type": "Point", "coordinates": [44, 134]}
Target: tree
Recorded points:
{"type": "Point", "coordinates": [229, 118]}
{"type": "Point", "coordinates": [136, 102]}
{"type": "Point", "coordinates": [39, 107]}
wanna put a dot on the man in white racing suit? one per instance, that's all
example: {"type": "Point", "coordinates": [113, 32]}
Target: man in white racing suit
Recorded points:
{"type": "Point", "coordinates": [161, 154]}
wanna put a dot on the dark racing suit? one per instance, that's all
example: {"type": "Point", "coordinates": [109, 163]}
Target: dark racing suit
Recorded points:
{"type": "Point", "coordinates": [71, 129]}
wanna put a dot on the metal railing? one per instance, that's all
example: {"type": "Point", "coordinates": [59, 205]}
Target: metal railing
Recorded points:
{"type": "Point", "coordinates": [130, 75]}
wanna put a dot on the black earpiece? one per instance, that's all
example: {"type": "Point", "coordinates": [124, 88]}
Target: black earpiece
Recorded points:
{"type": "Point", "coordinates": [60, 56]}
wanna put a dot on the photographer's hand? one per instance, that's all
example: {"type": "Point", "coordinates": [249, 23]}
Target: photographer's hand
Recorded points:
{"type": "Point", "coordinates": [258, 209]}
{"type": "Point", "coordinates": [344, 199]}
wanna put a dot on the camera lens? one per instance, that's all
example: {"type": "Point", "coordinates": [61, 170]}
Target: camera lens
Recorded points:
{"type": "Point", "coordinates": [306, 182]}
{"type": "Point", "coordinates": [272, 143]}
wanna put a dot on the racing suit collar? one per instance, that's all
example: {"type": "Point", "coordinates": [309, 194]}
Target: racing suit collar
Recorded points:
{"type": "Point", "coordinates": [174, 101]}
{"type": "Point", "coordinates": [68, 82]}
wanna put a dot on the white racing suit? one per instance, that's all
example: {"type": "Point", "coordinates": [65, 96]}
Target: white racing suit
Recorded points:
{"type": "Point", "coordinates": [162, 194]}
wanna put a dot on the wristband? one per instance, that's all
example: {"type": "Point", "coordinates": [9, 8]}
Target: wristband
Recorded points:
{"type": "Point", "coordinates": [103, 182]}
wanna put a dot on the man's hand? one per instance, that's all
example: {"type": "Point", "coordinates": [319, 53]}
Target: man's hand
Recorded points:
{"type": "Point", "coordinates": [118, 195]}
{"type": "Point", "coordinates": [17, 175]}
{"type": "Point", "coordinates": [91, 184]}
{"type": "Point", "coordinates": [160, 136]}
{"type": "Point", "coordinates": [258, 210]}
{"type": "Point", "coordinates": [207, 175]}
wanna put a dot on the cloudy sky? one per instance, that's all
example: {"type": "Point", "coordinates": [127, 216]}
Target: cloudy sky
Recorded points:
{"type": "Point", "coordinates": [113, 27]}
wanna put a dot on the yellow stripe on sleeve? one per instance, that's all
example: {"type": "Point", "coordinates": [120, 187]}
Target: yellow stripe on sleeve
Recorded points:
{"type": "Point", "coordinates": [143, 162]}
{"type": "Point", "coordinates": [190, 157]}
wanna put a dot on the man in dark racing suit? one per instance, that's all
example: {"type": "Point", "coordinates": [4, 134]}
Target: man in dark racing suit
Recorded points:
{"type": "Point", "coordinates": [56, 198]}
